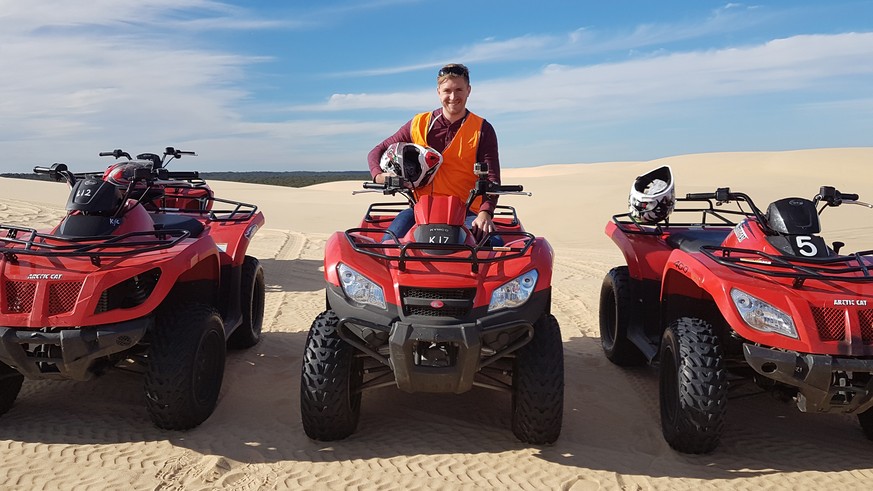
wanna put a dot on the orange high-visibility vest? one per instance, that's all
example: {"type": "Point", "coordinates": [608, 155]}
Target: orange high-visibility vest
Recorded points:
{"type": "Point", "coordinates": [455, 176]}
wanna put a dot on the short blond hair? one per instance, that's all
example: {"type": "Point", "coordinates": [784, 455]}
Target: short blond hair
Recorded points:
{"type": "Point", "coordinates": [453, 70]}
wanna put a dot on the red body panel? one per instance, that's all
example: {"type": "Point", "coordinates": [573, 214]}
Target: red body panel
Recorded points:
{"type": "Point", "coordinates": [39, 291]}
{"type": "Point", "coordinates": [831, 317]}
{"type": "Point", "coordinates": [439, 210]}
{"type": "Point", "coordinates": [76, 285]}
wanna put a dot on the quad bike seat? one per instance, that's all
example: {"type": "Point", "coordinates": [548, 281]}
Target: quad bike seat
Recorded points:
{"type": "Point", "coordinates": [177, 222]}
{"type": "Point", "coordinates": [692, 240]}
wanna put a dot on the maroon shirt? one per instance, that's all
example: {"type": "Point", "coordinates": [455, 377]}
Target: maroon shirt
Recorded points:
{"type": "Point", "coordinates": [438, 137]}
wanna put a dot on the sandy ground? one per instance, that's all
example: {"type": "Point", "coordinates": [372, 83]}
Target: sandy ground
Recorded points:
{"type": "Point", "coordinates": [96, 435]}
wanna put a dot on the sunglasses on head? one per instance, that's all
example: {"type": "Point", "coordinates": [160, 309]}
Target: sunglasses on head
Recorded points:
{"type": "Point", "coordinates": [453, 70]}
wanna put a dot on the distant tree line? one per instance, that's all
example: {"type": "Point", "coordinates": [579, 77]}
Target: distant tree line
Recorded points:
{"type": "Point", "coordinates": [294, 179]}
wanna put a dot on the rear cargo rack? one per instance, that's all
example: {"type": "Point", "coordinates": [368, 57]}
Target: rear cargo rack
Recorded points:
{"type": "Point", "coordinates": [240, 212]}
{"type": "Point", "coordinates": [709, 217]}
{"type": "Point", "coordinates": [16, 241]}
{"type": "Point", "coordinates": [839, 268]}
{"type": "Point", "coordinates": [447, 253]}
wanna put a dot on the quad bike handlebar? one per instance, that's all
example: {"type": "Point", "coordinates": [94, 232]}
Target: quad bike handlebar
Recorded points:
{"type": "Point", "coordinates": [832, 197]}
{"type": "Point", "coordinates": [391, 187]}
{"type": "Point", "coordinates": [60, 172]}
{"type": "Point", "coordinates": [482, 187]}
{"type": "Point", "coordinates": [117, 153]}
{"type": "Point", "coordinates": [829, 196]}
{"type": "Point", "coordinates": [159, 161]}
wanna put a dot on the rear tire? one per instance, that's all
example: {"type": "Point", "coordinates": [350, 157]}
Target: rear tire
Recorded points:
{"type": "Point", "coordinates": [10, 386]}
{"type": "Point", "coordinates": [330, 382]}
{"type": "Point", "coordinates": [538, 385]}
{"type": "Point", "coordinates": [693, 386]}
{"type": "Point", "coordinates": [616, 306]}
{"type": "Point", "coordinates": [185, 366]}
{"type": "Point", "coordinates": [252, 305]}
{"type": "Point", "coordinates": [866, 420]}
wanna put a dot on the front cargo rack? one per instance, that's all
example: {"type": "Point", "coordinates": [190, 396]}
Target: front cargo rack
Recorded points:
{"type": "Point", "coordinates": [838, 268]}
{"type": "Point", "coordinates": [518, 243]}
{"type": "Point", "coordinates": [17, 241]}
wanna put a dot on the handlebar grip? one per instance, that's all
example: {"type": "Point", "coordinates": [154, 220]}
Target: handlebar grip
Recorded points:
{"type": "Point", "coordinates": [849, 196]}
{"type": "Point", "coordinates": [106, 154]}
{"type": "Point", "coordinates": [373, 185]}
{"type": "Point", "coordinates": [700, 196]}
{"type": "Point", "coordinates": [41, 170]}
{"type": "Point", "coordinates": [511, 188]}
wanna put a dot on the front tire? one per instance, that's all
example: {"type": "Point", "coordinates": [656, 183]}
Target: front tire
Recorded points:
{"type": "Point", "coordinates": [252, 305]}
{"type": "Point", "coordinates": [330, 382]}
{"type": "Point", "coordinates": [186, 360]}
{"type": "Point", "coordinates": [616, 305]}
{"type": "Point", "coordinates": [10, 386]}
{"type": "Point", "coordinates": [538, 385]}
{"type": "Point", "coordinates": [693, 386]}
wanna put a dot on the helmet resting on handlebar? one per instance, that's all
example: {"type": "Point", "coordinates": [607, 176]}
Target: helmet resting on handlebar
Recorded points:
{"type": "Point", "coordinates": [416, 164]}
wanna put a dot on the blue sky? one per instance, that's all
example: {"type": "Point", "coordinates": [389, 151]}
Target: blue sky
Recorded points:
{"type": "Point", "coordinates": [314, 85]}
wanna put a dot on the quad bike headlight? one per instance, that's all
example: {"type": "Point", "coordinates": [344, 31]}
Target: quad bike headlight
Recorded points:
{"type": "Point", "coordinates": [762, 316]}
{"type": "Point", "coordinates": [360, 289]}
{"type": "Point", "coordinates": [514, 293]}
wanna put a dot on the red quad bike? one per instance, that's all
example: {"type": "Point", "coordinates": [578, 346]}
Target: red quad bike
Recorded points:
{"type": "Point", "coordinates": [435, 311]}
{"type": "Point", "coordinates": [123, 281]}
{"type": "Point", "coordinates": [741, 295]}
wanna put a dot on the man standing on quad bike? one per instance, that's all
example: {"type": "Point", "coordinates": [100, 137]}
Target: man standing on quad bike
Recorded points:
{"type": "Point", "coordinates": [463, 138]}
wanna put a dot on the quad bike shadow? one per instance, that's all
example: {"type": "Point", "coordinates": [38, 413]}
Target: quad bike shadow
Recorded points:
{"type": "Point", "coordinates": [142, 272]}
{"type": "Point", "coordinates": [435, 311]}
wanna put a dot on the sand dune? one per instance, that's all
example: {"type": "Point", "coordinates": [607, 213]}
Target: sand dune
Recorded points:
{"type": "Point", "coordinates": [96, 435]}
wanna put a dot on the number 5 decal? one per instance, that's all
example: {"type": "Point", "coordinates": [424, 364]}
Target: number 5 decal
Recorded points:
{"type": "Point", "coordinates": [805, 246]}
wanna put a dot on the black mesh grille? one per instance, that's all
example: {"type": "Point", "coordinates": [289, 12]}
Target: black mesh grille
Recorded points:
{"type": "Point", "coordinates": [866, 319]}
{"type": "Point", "coordinates": [831, 323]}
{"type": "Point", "coordinates": [63, 296]}
{"type": "Point", "coordinates": [437, 302]}
{"type": "Point", "coordinates": [19, 296]}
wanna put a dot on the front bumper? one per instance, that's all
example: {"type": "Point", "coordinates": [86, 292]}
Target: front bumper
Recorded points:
{"type": "Point", "coordinates": [458, 356]}
{"type": "Point", "coordinates": [821, 380]}
{"type": "Point", "coordinates": [67, 353]}
{"type": "Point", "coordinates": [436, 354]}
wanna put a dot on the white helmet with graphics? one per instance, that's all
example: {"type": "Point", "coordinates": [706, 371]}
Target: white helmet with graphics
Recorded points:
{"type": "Point", "coordinates": [652, 196]}
{"type": "Point", "coordinates": [416, 164]}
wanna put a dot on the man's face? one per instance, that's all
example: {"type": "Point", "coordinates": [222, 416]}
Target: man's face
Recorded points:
{"type": "Point", "coordinates": [453, 93]}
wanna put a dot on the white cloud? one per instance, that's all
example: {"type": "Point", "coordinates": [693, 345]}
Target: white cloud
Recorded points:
{"type": "Point", "coordinates": [780, 65]}
{"type": "Point", "coordinates": [584, 41]}
{"type": "Point", "coordinates": [82, 77]}
{"type": "Point", "coordinates": [68, 81]}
